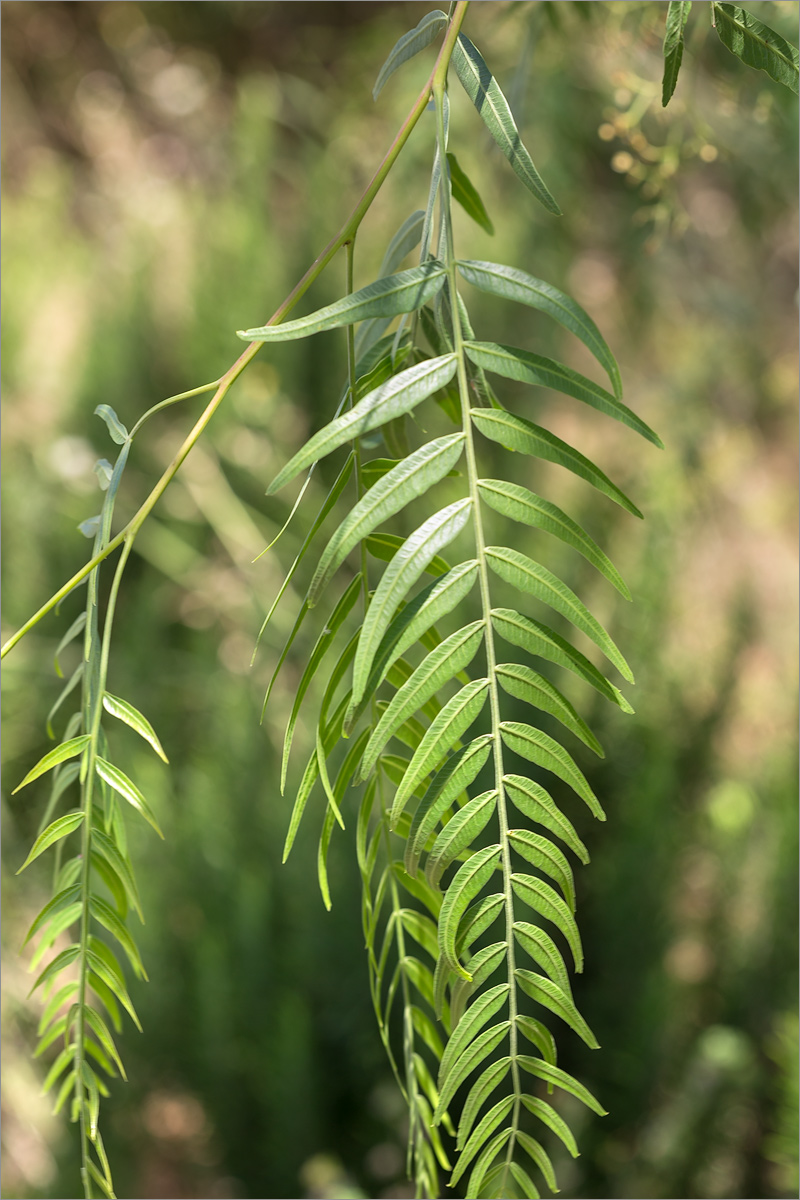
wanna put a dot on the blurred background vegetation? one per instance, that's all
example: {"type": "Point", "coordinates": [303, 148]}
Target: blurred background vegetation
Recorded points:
{"type": "Point", "coordinates": [169, 171]}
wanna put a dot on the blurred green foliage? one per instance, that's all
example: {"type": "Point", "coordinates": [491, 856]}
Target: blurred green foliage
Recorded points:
{"type": "Point", "coordinates": [170, 170]}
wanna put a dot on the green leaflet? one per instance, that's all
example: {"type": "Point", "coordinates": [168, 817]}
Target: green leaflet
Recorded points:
{"type": "Point", "coordinates": [68, 749]}
{"type": "Point", "coordinates": [534, 369]}
{"type": "Point", "coordinates": [515, 433]}
{"type": "Point", "coordinates": [405, 568]}
{"type": "Point", "coordinates": [63, 898]}
{"type": "Point", "coordinates": [400, 293]}
{"type": "Point", "coordinates": [59, 829]}
{"type": "Point", "coordinates": [324, 643]}
{"type": "Point", "coordinates": [127, 789]}
{"type": "Point", "coordinates": [466, 194]}
{"type": "Point", "coordinates": [468, 881]}
{"type": "Point", "coordinates": [540, 748]}
{"type": "Point", "coordinates": [482, 966]}
{"type": "Point", "coordinates": [391, 399]}
{"type": "Point", "coordinates": [75, 679]}
{"type": "Point", "coordinates": [456, 716]}
{"type": "Point", "coordinates": [545, 900]}
{"type": "Point", "coordinates": [539, 1035]}
{"type": "Point", "coordinates": [509, 283]}
{"type": "Point", "coordinates": [459, 833]}
{"type": "Point", "coordinates": [100, 1030]}
{"type": "Point", "coordinates": [521, 1176]}
{"type": "Point", "coordinates": [516, 502]}
{"type": "Point", "coordinates": [540, 1157]}
{"type": "Point", "coordinates": [470, 1025]}
{"type": "Point", "coordinates": [460, 770]}
{"type": "Point", "coordinates": [105, 914]}
{"type": "Point", "coordinates": [385, 545]}
{"type": "Point", "coordinates": [410, 44]}
{"type": "Point", "coordinates": [441, 665]}
{"type": "Point", "coordinates": [548, 1116]}
{"type": "Point", "coordinates": [757, 45]}
{"type": "Point", "coordinates": [677, 16]}
{"type": "Point", "coordinates": [412, 477]}
{"type": "Point", "coordinates": [539, 639]}
{"type": "Point", "coordinates": [57, 965]}
{"type": "Point", "coordinates": [471, 1058]}
{"type": "Point", "coordinates": [484, 92]}
{"type": "Point", "coordinates": [561, 1079]}
{"type": "Point", "coordinates": [330, 737]}
{"type": "Point", "coordinates": [531, 577]}
{"type": "Point", "coordinates": [551, 996]}
{"type": "Point", "coordinates": [543, 854]}
{"type": "Point", "coordinates": [414, 620]}
{"type": "Point", "coordinates": [490, 1183]}
{"type": "Point", "coordinates": [75, 628]}
{"type": "Point", "coordinates": [103, 845]}
{"type": "Point", "coordinates": [133, 718]}
{"type": "Point", "coordinates": [477, 919]}
{"type": "Point", "coordinates": [546, 954]}
{"type": "Point", "coordinates": [528, 685]}
{"type": "Point", "coordinates": [484, 1129]}
{"type": "Point", "coordinates": [483, 1087]}
{"type": "Point", "coordinates": [117, 431]}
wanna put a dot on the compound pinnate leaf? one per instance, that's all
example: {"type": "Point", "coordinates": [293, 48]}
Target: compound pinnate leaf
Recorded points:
{"type": "Point", "coordinates": [509, 283]}
{"type": "Point", "coordinates": [411, 477]}
{"type": "Point", "coordinates": [516, 433]}
{"type": "Point", "coordinates": [485, 93]}
{"type": "Point", "coordinates": [408, 45]}
{"type": "Point", "coordinates": [677, 16]}
{"type": "Point", "coordinates": [391, 399]}
{"type": "Point", "coordinates": [386, 297]}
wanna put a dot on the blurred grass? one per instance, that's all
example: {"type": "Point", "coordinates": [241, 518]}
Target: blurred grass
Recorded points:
{"type": "Point", "coordinates": [169, 172]}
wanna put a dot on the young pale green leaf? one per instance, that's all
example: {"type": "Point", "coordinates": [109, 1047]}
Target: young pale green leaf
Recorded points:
{"type": "Point", "coordinates": [59, 1065]}
{"type": "Point", "coordinates": [412, 477]}
{"type": "Point", "coordinates": [59, 829]}
{"type": "Point", "coordinates": [543, 854]}
{"type": "Point", "coordinates": [531, 577]}
{"type": "Point", "coordinates": [402, 572]}
{"type": "Point", "coordinates": [55, 1002]}
{"type": "Point", "coordinates": [460, 770]}
{"type": "Point", "coordinates": [323, 644]}
{"type": "Point", "coordinates": [757, 45]}
{"type": "Point", "coordinates": [471, 1058]}
{"type": "Point", "coordinates": [549, 1117]}
{"type": "Point", "coordinates": [127, 789]}
{"type": "Point", "coordinates": [52, 969]}
{"type": "Point", "coordinates": [534, 369]}
{"type": "Point", "coordinates": [528, 685]}
{"type": "Point", "coordinates": [540, 1157]}
{"type": "Point", "coordinates": [543, 641]}
{"type": "Point", "coordinates": [485, 93]}
{"type": "Point", "coordinates": [75, 628]}
{"type": "Point", "coordinates": [459, 833]}
{"type": "Point", "coordinates": [538, 805]}
{"type": "Point", "coordinates": [539, 1035]}
{"type": "Point", "coordinates": [677, 16]}
{"type": "Point", "coordinates": [68, 749]}
{"type": "Point", "coordinates": [100, 1030]}
{"type": "Point", "coordinates": [544, 952]}
{"type": "Point", "coordinates": [132, 717]}
{"type": "Point", "coordinates": [396, 396]}
{"type": "Point", "coordinates": [61, 921]}
{"type": "Point", "coordinates": [540, 748]}
{"type": "Point", "coordinates": [483, 1087]}
{"type": "Point", "coordinates": [483, 1130]}
{"type": "Point", "coordinates": [410, 44]}
{"type": "Point", "coordinates": [550, 1074]}
{"type": "Point", "coordinates": [516, 433]}
{"type": "Point", "coordinates": [105, 914]}
{"type": "Point", "coordinates": [116, 429]}
{"type": "Point", "coordinates": [470, 1026]}
{"type": "Point", "coordinates": [441, 665]}
{"type": "Point", "coordinates": [63, 898]}
{"type": "Point", "coordinates": [516, 502]}
{"type": "Point", "coordinates": [113, 979]}
{"type": "Point", "coordinates": [468, 881]}
{"type": "Point", "coordinates": [523, 1179]}
{"type": "Point", "coordinates": [550, 995]}
{"type": "Point", "coordinates": [386, 297]}
{"type": "Point", "coordinates": [456, 717]}
{"type": "Point", "coordinates": [466, 194]}
{"type": "Point", "coordinates": [545, 900]}
{"type": "Point", "coordinates": [509, 283]}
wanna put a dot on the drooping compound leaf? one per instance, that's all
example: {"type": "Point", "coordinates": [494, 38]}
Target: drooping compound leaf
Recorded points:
{"type": "Point", "coordinates": [485, 93]}
{"type": "Point", "coordinates": [757, 45]}
{"type": "Point", "coordinates": [677, 16]}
